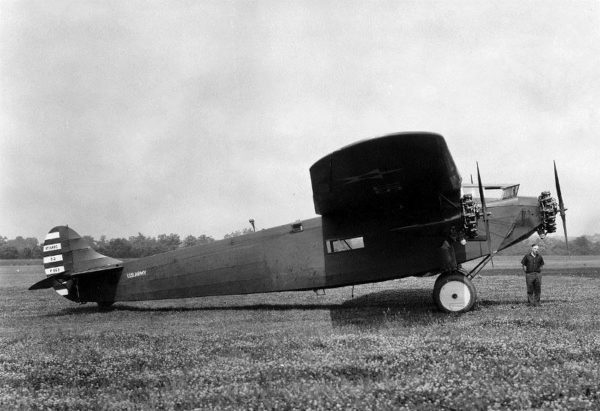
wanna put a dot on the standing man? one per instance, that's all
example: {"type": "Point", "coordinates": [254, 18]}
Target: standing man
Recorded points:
{"type": "Point", "coordinates": [532, 264]}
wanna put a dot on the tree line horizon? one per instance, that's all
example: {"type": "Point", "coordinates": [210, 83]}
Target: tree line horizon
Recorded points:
{"type": "Point", "coordinates": [132, 247]}
{"type": "Point", "coordinates": [143, 246]}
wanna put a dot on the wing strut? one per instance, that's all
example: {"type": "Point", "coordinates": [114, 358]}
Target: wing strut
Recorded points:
{"type": "Point", "coordinates": [479, 266]}
{"type": "Point", "coordinates": [485, 215]}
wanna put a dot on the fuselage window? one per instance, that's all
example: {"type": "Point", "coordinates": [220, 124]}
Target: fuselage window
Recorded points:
{"type": "Point", "coordinates": [346, 244]}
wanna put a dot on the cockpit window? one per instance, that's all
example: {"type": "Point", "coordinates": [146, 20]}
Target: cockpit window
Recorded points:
{"type": "Point", "coordinates": [346, 244]}
{"type": "Point", "coordinates": [510, 192]}
{"type": "Point", "coordinates": [493, 192]}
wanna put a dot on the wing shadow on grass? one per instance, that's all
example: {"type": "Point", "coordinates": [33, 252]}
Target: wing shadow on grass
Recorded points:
{"type": "Point", "coordinates": [491, 303]}
{"type": "Point", "coordinates": [380, 309]}
{"type": "Point", "coordinates": [516, 303]}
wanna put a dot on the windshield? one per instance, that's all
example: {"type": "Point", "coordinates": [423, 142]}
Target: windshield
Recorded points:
{"type": "Point", "coordinates": [492, 192]}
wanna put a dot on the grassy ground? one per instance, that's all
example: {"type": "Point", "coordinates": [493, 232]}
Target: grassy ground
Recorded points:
{"type": "Point", "coordinates": [19, 262]}
{"type": "Point", "coordinates": [386, 348]}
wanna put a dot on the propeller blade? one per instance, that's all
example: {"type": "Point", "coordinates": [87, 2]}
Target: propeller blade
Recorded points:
{"type": "Point", "coordinates": [485, 216]}
{"type": "Point", "coordinates": [481, 196]}
{"type": "Point", "coordinates": [561, 206]}
{"type": "Point", "coordinates": [564, 220]}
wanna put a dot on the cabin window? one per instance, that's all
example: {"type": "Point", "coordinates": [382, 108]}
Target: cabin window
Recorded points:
{"type": "Point", "coordinates": [345, 244]}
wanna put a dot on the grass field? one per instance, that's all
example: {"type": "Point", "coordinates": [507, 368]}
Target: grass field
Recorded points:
{"type": "Point", "coordinates": [386, 348]}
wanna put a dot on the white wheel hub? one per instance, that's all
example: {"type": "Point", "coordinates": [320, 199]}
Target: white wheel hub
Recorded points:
{"type": "Point", "coordinates": [455, 295]}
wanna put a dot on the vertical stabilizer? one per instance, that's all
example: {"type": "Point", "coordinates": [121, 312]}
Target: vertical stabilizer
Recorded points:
{"type": "Point", "coordinates": [67, 257]}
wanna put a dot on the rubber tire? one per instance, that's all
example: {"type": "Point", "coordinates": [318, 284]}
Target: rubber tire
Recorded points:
{"type": "Point", "coordinates": [454, 293]}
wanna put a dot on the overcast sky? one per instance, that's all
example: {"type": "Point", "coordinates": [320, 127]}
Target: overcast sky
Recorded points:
{"type": "Point", "coordinates": [190, 117]}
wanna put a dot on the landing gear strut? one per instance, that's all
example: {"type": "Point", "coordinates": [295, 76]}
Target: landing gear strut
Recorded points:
{"type": "Point", "coordinates": [454, 292]}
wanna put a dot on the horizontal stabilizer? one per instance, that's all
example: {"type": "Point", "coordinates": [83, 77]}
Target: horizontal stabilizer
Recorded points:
{"type": "Point", "coordinates": [45, 283]}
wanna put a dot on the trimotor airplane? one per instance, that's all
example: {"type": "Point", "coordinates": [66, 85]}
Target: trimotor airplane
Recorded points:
{"type": "Point", "coordinates": [390, 207]}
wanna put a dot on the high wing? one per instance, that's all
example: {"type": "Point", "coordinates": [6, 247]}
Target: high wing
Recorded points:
{"type": "Point", "coordinates": [404, 179]}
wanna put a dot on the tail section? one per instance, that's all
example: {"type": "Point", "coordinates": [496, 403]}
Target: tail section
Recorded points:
{"type": "Point", "coordinates": [58, 258]}
{"type": "Point", "coordinates": [67, 258]}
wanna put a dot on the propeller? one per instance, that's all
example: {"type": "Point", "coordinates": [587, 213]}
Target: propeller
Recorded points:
{"type": "Point", "coordinates": [485, 216]}
{"type": "Point", "coordinates": [561, 206]}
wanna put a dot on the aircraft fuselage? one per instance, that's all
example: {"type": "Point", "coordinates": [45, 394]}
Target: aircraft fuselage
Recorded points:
{"type": "Point", "coordinates": [287, 259]}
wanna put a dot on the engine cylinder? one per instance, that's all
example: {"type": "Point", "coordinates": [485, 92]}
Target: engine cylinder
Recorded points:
{"type": "Point", "coordinates": [548, 210]}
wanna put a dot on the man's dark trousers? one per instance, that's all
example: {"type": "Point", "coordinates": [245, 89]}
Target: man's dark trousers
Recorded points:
{"type": "Point", "coordinates": [534, 287]}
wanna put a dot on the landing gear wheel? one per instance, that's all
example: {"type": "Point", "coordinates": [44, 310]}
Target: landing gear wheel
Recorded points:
{"type": "Point", "coordinates": [105, 305]}
{"type": "Point", "coordinates": [454, 293]}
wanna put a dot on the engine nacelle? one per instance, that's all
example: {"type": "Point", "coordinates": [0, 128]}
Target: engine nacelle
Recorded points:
{"type": "Point", "coordinates": [470, 211]}
{"type": "Point", "coordinates": [548, 211]}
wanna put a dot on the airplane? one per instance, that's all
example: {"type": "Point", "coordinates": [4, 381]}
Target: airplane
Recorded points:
{"type": "Point", "coordinates": [389, 207]}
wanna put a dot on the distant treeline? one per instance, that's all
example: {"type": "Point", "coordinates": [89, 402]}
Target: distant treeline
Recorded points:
{"type": "Point", "coordinates": [142, 246]}
{"type": "Point", "coordinates": [132, 247]}
{"type": "Point", "coordinates": [583, 245]}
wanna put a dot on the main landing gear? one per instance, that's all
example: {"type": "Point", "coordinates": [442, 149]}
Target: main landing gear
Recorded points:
{"type": "Point", "coordinates": [454, 292]}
